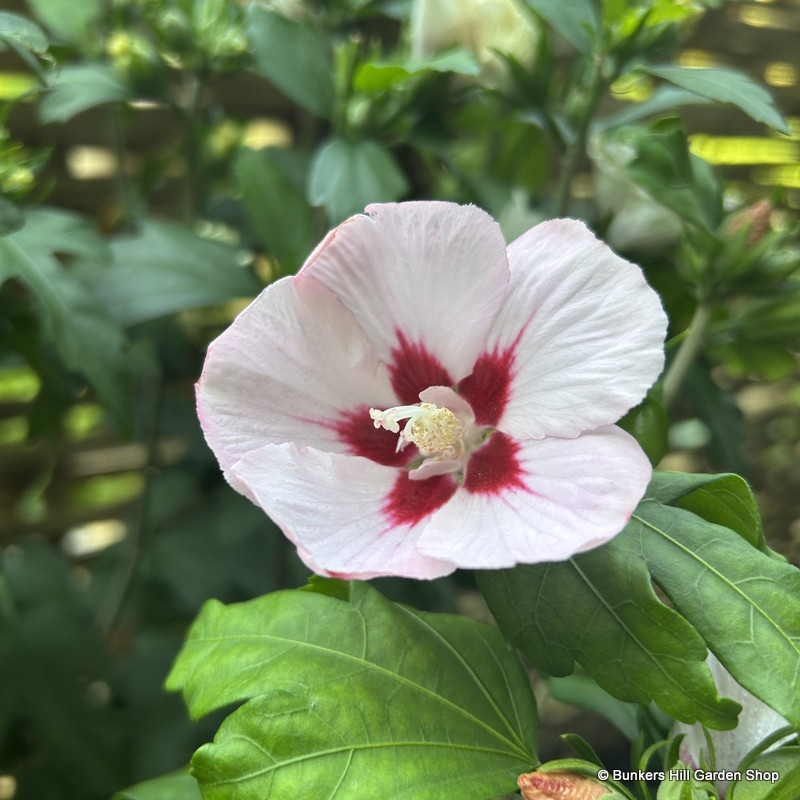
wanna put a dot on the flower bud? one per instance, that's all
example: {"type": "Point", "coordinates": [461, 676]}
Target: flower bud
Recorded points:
{"type": "Point", "coordinates": [755, 218]}
{"type": "Point", "coordinates": [560, 785]}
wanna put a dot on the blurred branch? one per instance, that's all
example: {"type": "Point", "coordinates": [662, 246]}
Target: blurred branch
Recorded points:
{"type": "Point", "coordinates": [577, 146]}
{"type": "Point", "coordinates": [687, 352]}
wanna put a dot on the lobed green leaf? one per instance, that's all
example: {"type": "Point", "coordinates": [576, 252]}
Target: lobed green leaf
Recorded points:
{"type": "Point", "coordinates": [600, 610]}
{"type": "Point", "coordinates": [358, 698]}
{"type": "Point", "coordinates": [742, 602]}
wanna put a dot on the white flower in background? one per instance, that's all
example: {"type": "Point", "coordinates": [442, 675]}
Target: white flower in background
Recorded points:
{"type": "Point", "coordinates": [485, 28]}
{"type": "Point", "coordinates": [638, 221]}
{"type": "Point", "coordinates": [756, 721]}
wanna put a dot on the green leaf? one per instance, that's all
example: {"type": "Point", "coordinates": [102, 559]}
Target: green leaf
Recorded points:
{"type": "Point", "coordinates": [375, 76]}
{"type": "Point", "coordinates": [23, 32]}
{"type": "Point", "coordinates": [88, 339]}
{"type": "Point", "coordinates": [11, 217]}
{"type": "Point", "coordinates": [600, 610]}
{"type": "Point", "coordinates": [665, 98]}
{"type": "Point", "coordinates": [726, 86]}
{"type": "Point", "coordinates": [179, 785]}
{"type": "Point", "coordinates": [725, 499]}
{"type": "Point", "coordinates": [364, 698]}
{"type": "Point", "coordinates": [292, 56]}
{"type": "Point", "coordinates": [276, 209]}
{"type": "Point", "coordinates": [672, 175]}
{"type": "Point", "coordinates": [648, 423]}
{"type": "Point", "coordinates": [65, 18]}
{"type": "Point", "coordinates": [742, 602]}
{"type": "Point", "coordinates": [772, 776]}
{"type": "Point", "coordinates": [77, 88]}
{"type": "Point", "coordinates": [345, 177]}
{"type": "Point", "coordinates": [576, 20]}
{"type": "Point", "coordinates": [166, 268]}
{"type": "Point", "coordinates": [580, 690]}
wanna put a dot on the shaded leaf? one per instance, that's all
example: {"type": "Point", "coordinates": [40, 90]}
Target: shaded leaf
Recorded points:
{"type": "Point", "coordinates": [742, 602]}
{"type": "Point", "coordinates": [725, 499]}
{"type": "Point", "coordinates": [167, 268]}
{"type": "Point", "coordinates": [23, 32]}
{"type": "Point", "coordinates": [365, 697]}
{"type": "Point", "coordinates": [88, 340]}
{"type": "Point", "coordinates": [78, 88]}
{"type": "Point", "coordinates": [785, 763]}
{"type": "Point", "coordinates": [178, 785]}
{"type": "Point", "coordinates": [276, 209]}
{"type": "Point", "coordinates": [66, 18]}
{"type": "Point", "coordinates": [672, 175]}
{"type": "Point", "coordinates": [292, 56]}
{"type": "Point", "coordinates": [576, 21]}
{"type": "Point", "coordinates": [345, 177]}
{"type": "Point", "coordinates": [600, 610]}
{"type": "Point", "coordinates": [726, 86]}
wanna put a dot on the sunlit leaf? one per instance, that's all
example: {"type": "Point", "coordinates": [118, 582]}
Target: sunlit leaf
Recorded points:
{"type": "Point", "coordinates": [374, 76]}
{"type": "Point", "coordinates": [361, 696]}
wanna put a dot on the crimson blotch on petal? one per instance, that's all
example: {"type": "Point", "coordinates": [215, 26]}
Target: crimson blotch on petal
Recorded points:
{"type": "Point", "coordinates": [420, 398]}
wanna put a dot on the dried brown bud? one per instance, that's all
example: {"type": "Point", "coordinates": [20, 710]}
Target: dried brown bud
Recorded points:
{"type": "Point", "coordinates": [755, 218]}
{"type": "Point", "coordinates": [560, 785]}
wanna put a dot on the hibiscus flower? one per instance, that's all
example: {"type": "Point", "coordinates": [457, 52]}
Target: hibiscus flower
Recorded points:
{"type": "Point", "coordinates": [420, 398]}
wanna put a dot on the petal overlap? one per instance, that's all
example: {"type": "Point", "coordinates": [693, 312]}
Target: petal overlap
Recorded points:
{"type": "Point", "coordinates": [430, 275]}
{"type": "Point", "coordinates": [581, 331]}
{"type": "Point", "coordinates": [511, 364]}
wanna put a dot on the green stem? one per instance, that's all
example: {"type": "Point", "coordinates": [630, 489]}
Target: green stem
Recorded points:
{"type": "Point", "coordinates": [687, 352]}
{"type": "Point", "coordinates": [577, 146]}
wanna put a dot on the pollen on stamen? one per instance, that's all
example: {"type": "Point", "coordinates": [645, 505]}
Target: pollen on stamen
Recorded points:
{"type": "Point", "coordinates": [435, 431]}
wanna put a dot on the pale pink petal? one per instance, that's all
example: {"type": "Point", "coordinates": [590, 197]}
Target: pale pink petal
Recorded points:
{"type": "Point", "coordinates": [424, 281]}
{"type": "Point", "coordinates": [578, 343]}
{"type": "Point", "coordinates": [293, 366]}
{"type": "Point", "coordinates": [334, 507]}
{"type": "Point", "coordinates": [544, 500]}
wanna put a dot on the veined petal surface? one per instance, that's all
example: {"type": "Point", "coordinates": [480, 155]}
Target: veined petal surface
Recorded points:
{"type": "Point", "coordinates": [288, 369]}
{"type": "Point", "coordinates": [562, 497]}
{"type": "Point", "coordinates": [423, 279]}
{"type": "Point", "coordinates": [581, 334]}
{"type": "Point", "coordinates": [334, 507]}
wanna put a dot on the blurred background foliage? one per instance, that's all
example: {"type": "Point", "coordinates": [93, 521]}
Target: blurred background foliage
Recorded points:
{"type": "Point", "coordinates": [161, 160]}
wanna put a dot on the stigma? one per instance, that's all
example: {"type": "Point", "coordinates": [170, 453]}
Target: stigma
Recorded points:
{"type": "Point", "coordinates": [436, 431]}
